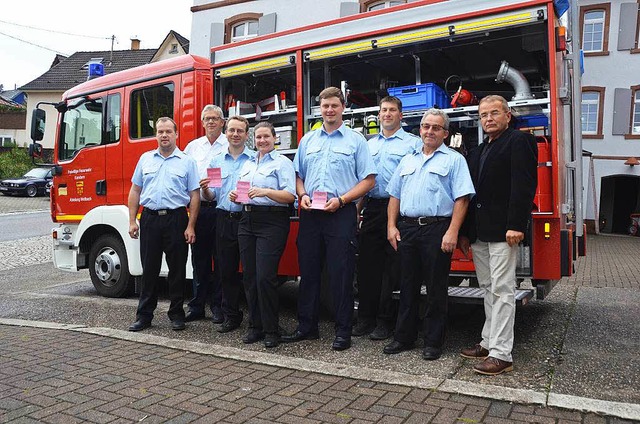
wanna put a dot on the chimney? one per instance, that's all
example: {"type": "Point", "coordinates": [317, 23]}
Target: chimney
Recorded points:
{"type": "Point", "coordinates": [135, 43]}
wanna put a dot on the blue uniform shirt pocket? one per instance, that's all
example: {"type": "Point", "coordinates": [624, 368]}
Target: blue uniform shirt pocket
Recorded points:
{"type": "Point", "coordinates": [437, 179]}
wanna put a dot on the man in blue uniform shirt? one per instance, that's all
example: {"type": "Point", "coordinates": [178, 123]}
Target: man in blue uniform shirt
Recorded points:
{"type": "Point", "coordinates": [165, 181]}
{"type": "Point", "coordinates": [335, 169]}
{"type": "Point", "coordinates": [228, 218]}
{"type": "Point", "coordinates": [430, 193]}
{"type": "Point", "coordinates": [378, 271]}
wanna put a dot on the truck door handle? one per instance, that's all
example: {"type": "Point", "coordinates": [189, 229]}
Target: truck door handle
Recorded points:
{"type": "Point", "coordinates": [101, 187]}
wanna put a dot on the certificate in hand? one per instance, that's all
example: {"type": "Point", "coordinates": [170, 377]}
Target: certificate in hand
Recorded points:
{"type": "Point", "coordinates": [215, 177]}
{"type": "Point", "coordinates": [242, 189]}
{"type": "Point", "coordinates": [319, 199]}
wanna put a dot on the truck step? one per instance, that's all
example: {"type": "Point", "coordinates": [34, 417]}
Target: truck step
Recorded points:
{"type": "Point", "coordinates": [475, 295]}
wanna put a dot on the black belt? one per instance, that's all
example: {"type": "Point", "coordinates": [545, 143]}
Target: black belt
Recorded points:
{"type": "Point", "coordinates": [163, 211]}
{"type": "Point", "coordinates": [377, 202]}
{"type": "Point", "coordinates": [205, 204]}
{"type": "Point", "coordinates": [231, 215]}
{"type": "Point", "coordinates": [259, 208]}
{"type": "Point", "coordinates": [423, 220]}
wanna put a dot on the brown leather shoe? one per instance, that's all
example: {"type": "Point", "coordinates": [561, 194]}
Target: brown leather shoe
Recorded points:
{"type": "Point", "coordinates": [476, 352]}
{"type": "Point", "coordinates": [493, 366]}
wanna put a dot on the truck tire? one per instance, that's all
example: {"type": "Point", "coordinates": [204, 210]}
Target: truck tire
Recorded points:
{"type": "Point", "coordinates": [109, 268]}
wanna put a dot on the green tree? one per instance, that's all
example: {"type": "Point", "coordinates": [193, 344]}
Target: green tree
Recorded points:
{"type": "Point", "coordinates": [14, 163]}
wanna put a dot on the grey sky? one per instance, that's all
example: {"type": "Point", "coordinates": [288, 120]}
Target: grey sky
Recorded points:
{"type": "Point", "coordinates": [22, 62]}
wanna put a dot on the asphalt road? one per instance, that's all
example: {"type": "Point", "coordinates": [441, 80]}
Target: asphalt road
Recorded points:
{"type": "Point", "coordinates": [21, 225]}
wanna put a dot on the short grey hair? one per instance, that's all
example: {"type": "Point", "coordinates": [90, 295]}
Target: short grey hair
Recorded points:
{"type": "Point", "coordinates": [496, 98]}
{"type": "Point", "coordinates": [212, 108]}
{"type": "Point", "coordinates": [438, 112]}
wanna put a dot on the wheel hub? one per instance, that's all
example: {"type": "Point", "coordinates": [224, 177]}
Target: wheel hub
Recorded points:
{"type": "Point", "coordinates": [107, 266]}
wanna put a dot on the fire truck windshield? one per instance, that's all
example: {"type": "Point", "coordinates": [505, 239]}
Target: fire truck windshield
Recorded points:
{"type": "Point", "coordinates": [81, 127]}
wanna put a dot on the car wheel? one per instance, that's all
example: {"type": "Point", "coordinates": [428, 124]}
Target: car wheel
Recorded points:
{"type": "Point", "coordinates": [31, 190]}
{"type": "Point", "coordinates": [109, 268]}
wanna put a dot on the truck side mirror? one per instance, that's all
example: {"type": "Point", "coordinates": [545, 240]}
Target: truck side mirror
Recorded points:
{"type": "Point", "coordinates": [35, 150]}
{"type": "Point", "coordinates": [38, 119]}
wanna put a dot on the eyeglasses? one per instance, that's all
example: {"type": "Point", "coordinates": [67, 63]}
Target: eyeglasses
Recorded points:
{"type": "Point", "coordinates": [434, 127]}
{"type": "Point", "coordinates": [493, 114]}
{"type": "Point", "coordinates": [212, 119]}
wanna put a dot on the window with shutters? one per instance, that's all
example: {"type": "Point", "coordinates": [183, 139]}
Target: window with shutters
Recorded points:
{"type": "Point", "coordinates": [636, 48]}
{"type": "Point", "coordinates": [635, 112]}
{"type": "Point", "coordinates": [628, 26]}
{"type": "Point", "coordinates": [241, 27]}
{"type": "Point", "coordinates": [592, 111]}
{"type": "Point", "coordinates": [369, 5]}
{"type": "Point", "coordinates": [594, 20]}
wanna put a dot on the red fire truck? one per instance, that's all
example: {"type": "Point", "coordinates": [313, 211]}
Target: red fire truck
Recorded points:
{"type": "Point", "coordinates": [515, 48]}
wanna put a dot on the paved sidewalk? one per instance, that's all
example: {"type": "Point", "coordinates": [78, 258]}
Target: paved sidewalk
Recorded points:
{"type": "Point", "coordinates": [61, 376]}
{"type": "Point", "coordinates": [612, 261]}
{"type": "Point", "coordinates": [16, 204]}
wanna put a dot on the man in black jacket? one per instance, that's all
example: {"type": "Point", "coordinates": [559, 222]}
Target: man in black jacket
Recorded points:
{"type": "Point", "coordinates": [504, 173]}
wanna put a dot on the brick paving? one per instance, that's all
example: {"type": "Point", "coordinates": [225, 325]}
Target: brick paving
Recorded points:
{"type": "Point", "coordinates": [611, 261]}
{"type": "Point", "coordinates": [25, 252]}
{"type": "Point", "coordinates": [15, 204]}
{"type": "Point", "coordinates": [58, 376]}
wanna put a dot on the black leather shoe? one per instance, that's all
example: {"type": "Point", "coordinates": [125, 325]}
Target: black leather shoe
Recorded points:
{"type": "Point", "coordinates": [271, 340]}
{"type": "Point", "coordinates": [431, 353]}
{"type": "Point", "coordinates": [397, 347]}
{"type": "Point", "coordinates": [341, 343]}
{"type": "Point", "coordinates": [362, 329]}
{"type": "Point", "coordinates": [228, 326]}
{"type": "Point", "coordinates": [298, 336]}
{"type": "Point", "coordinates": [139, 325]}
{"type": "Point", "coordinates": [193, 316]}
{"type": "Point", "coordinates": [253, 335]}
{"type": "Point", "coordinates": [177, 325]}
{"type": "Point", "coordinates": [381, 332]}
{"type": "Point", "coordinates": [217, 316]}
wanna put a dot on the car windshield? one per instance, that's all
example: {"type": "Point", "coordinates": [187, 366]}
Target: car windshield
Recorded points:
{"type": "Point", "coordinates": [37, 173]}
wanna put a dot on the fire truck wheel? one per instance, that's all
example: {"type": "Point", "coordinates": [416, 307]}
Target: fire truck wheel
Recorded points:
{"type": "Point", "coordinates": [109, 268]}
{"type": "Point", "coordinates": [633, 230]}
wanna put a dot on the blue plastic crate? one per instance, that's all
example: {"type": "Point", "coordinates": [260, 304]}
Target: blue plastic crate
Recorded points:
{"type": "Point", "coordinates": [529, 121]}
{"type": "Point", "coordinates": [422, 96]}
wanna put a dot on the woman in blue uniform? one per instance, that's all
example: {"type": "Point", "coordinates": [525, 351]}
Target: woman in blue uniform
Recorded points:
{"type": "Point", "coordinates": [263, 232]}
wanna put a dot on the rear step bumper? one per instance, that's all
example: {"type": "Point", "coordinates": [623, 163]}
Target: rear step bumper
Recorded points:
{"type": "Point", "coordinates": [475, 295]}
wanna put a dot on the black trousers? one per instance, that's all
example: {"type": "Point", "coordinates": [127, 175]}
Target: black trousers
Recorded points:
{"type": "Point", "coordinates": [331, 237]}
{"type": "Point", "coordinates": [422, 260]}
{"type": "Point", "coordinates": [229, 262]}
{"type": "Point", "coordinates": [206, 280]}
{"type": "Point", "coordinates": [262, 237]}
{"type": "Point", "coordinates": [378, 267]}
{"type": "Point", "coordinates": [158, 234]}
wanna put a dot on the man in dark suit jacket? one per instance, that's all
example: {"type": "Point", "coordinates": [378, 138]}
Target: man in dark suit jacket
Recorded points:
{"type": "Point", "coordinates": [504, 173]}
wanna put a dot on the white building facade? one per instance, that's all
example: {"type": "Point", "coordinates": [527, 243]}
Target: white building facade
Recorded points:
{"type": "Point", "coordinates": [611, 112]}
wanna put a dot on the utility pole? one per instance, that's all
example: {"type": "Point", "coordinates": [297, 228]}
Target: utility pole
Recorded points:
{"type": "Point", "coordinates": [113, 40]}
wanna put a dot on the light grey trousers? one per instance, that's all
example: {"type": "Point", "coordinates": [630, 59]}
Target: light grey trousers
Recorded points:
{"type": "Point", "coordinates": [495, 264]}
